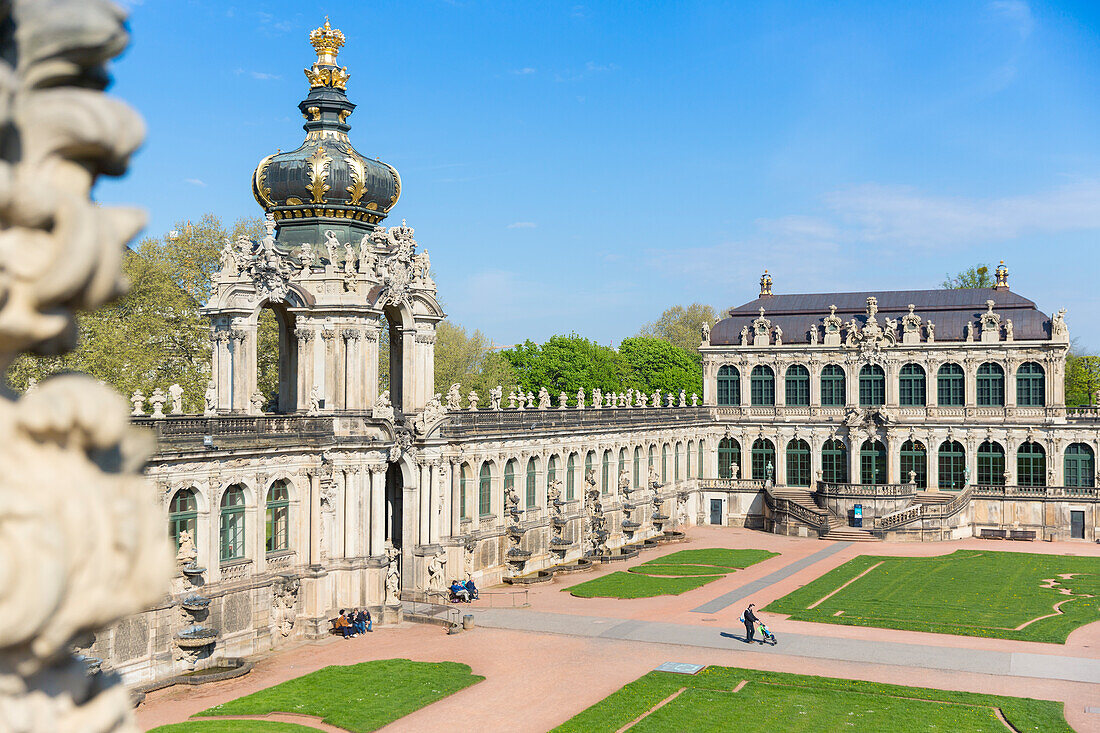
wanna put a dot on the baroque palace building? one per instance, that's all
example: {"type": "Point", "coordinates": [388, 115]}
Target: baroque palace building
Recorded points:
{"type": "Point", "coordinates": [930, 414]}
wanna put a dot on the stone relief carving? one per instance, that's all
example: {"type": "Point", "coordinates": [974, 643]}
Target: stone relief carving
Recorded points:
{"type": "Point", "coordinates": [284, 605]}
{"type": "Point", "coordinates": [436, 572]}
{"type": "Point", "coordinates": [393, 575]}
{"type": "Point", "coordinates": [433, 413]}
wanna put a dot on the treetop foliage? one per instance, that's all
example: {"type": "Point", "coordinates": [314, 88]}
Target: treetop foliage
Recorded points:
{"type": "Point", "coordinates": [976, 276]}
{"type": "Point", "coordinates": [681, 325]}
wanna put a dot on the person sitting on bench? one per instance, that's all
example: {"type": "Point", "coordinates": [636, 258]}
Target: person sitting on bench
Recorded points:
{"type": "Point", "coordinates": [363, 621]}
{"type": "Point", "coordinates": [343, 625]}
{"type": "Point", "coordinates": [471, 589]}
{"type": "Point", "coordinates": [459, 592]}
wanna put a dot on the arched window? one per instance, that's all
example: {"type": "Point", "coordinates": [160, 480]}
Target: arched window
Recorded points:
{"type": "Point", "coordinates": [762, 386]}
{"type": "Point", "coordinates": [763, 459]}
{"type": "Point", "coordinates": [952, 464]}
{"type": "Point", "coordinates": [872, 463]}
{"type": "Point", "coordinates": [278, 517]}
{"type": "Point", "coordinates": [622, 466]}
{"type": "Point", "coordinates": [509, 480]}
{"type": "Point", "coordinates": [729, 454]}
{"type": "Point", "coordinates": [605, 472]}
{"type": "Point", "coordinates": [464, 491]}
{"type": "Point", "coordinates": [729, 386]}
{"type": "Point", "coordinates": [637, 467]}
{"type": "Point", "coordinates": [664, 464]}
{"type": "Point", "coordinates": [950, 386]}
{"type": "Point", "coordinates": [834, 462]}
{"type": "Point", "coordinates": [688, 458]}
{"type": "Point", "coordinates": [183, 513]}
{"type": "Point", "coordinates": [914, 460]}
{"type": "Point", "coordinates": [872, 385]}
{"type": "Point", "coordinates": [1031, 465]}
{"type": "Point", "coordinates": [485, 490]}
{"type": "Point", "coordinates": [570, 477]}
{"type": "Point", "coordinates": [676, 462]}
{"type": "Point", "coordinates": [832, 386]}
{"type": "Point", "coordinates": [232, 524]}
{"type": "Point", "coordinates": [991, 385]}
{"type": "Point", "coordinates": [652, 465]}
{"type": "Point", "coordinates": [1031, 388]}
{"type": "Point", "coordinates": [531, 498]}
{"type": "Point", "coordinates": [991, 464]}
{"type": "Point", "coordinates": [798, 463]}
{"type": "Point", "coordinates": [699, 460]}
{"type": "Point", "coordinates": [590, 466]}
{"type": "Point", "coordinates": [911, 390]}
{"type": "Point", "coordinates": [797, 386]}
{"type": "Point", "coordinates": [551, 473]}
{"type": "Point", "coordinates": [1080, 469]}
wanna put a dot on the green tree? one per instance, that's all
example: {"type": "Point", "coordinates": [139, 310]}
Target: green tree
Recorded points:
{"type": "Point", "coordinates": [681, 326]}
{"type": "Point", "coordinates": [566, 364]}
{"type": "Point", "coordinates": [653, 363]}
{"type": "Point", "coordinates": [470, 361]}
{"type": "Point", "coordinates": [976, 276]}
{"type": "Point", "coordinates": [1082, 379]}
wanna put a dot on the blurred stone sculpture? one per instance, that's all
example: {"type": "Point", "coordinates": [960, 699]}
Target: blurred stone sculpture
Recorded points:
{"type": "Point", "coordinates": [70, 568]}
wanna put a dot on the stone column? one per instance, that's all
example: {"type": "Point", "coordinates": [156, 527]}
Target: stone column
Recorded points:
{"type": "Point", "coordinates": [893, 455]}
{"type": "Point", "coordinates": [223, 370]}
{"type": "Point", "coordinates": [314, 519]}
{"type": "Point", "coordinates": [815, 384]}
{"type": "Point", "coordinates": [370, 367]}
{"type": "Point", "coordinates": [238, 380]}
{"type": "Point", "coordinates": [408, 372]}
{"type": "Point", "coordinates": [780, 442]}
{"type": "Point", "coordinates": [1010, 383]}
{"type": "Point", "coordinates": [349, 367]}
{"type": "Point", "coordinates": [435, 500]}
{"type": "Point", "coordinates": [893, 374]}
{"type": "Point", "coordinates": [710, 458]}
{"type": "Point", "coordinates": [377, 510]}
{"type": "Point", "coordinates": [306, 359]}
{"type": "Point", "coordinates": [424, 503]}
{"type": "Point", "coordinates": [854, 443]}
{"type": "Point", "coordinates": [932, 451]}
{"type": "Point", "coordinates": [328, 351]}
{"type": "Point", "coordinates": [456, 497]}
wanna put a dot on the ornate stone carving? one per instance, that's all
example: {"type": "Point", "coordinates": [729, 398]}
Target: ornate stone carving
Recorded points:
{"type": "Point", "coordinates": [433, 412]}
{"type": "Point", "coordinates": [383, 408]}
{"type": "Point", "coordinates": [454, 397]}
{"type": "Point", "coordinates": [832, 324]}
{"type": "Point", "coordinates": [1058, 329]}
{"type": "Point", "coordinates": [284, 605]}
{"type": "Point", "coordinates": [761, 329]}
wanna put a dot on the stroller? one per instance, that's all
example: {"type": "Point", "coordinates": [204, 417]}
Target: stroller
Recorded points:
{"type": "Point", "coordinates": [766, 636]}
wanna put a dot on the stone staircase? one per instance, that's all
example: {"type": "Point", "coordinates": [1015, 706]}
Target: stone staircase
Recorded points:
{"type": "Point", "coordinates": [838, 526]}
{"type": "Point", "coordinates": [933, 498]}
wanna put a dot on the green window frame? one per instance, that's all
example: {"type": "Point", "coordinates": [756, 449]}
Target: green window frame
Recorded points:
{"type": "Point", "coordinates": [729, 452]}
{"type": "Point", "coordinates": [762, 386]}
{"type": "Point", "coordinates": [729, 386]}
{"type": "Point", "coordinates": [637, 467]}
{"type": "Point", "coordinates": [798, 463]}
{"type": "Point", "coordinates": [911, 386]}
{"type": "Point", "coordinates": [571, 477]}
{"type": "Point", "coordinates": [183, 515]}
{"type": "Point", "coordinates": [952, 465]}
{"type": "Point", "coordinates": [872, 386]}
{"type": "Point", "coordinates": [797, 386]}
{"type": "Point", "coordinates": [1031, 465]}
{"type": "Point", "coordinates": [509, 479]}
{"type": "Point", "coordinates": [950, 386]}
{"type": "Point", "coordinates": [834, 462]}
{"type": "Point", "coordinates": [699, 460]}
{"type": "Point", "coordinates": [463, 483]}
{"type": "Point", "coordinates": [589, 467]}
{"type": "Point", "coordinates": [687, 455]}
{"type": "Point", "coordinates": [763, 454]}
{"type": "Point", "coordinates": [605, 472]}
{"type": "Point", "coordinates": [485, 490]}
{"type": "Point", "coordinates": [676, 462]}
{"type": "Point", "coordinates": [551, 473]}
{"type": "Point", "coordinates": [991, 464]}
{"type": "Point", "coordinates": [277, 525]}
{"type": "Point", "coordinates": [232, 527]}
{"type": "Point", "coordinates": [532, 493]}
{"type": "Point", "coordinates": [1080, 468]}
{"type": "Point", "coordinates": [914, 458]}
{"type": "Point", "coordinates": [833, 393]}
{"type": "Point", "coordinates": [623, 463]}
{"type": "Point", "coordinates": [872, 463]}
{"type": "Point", "coordinates": [1031, 387]}
{"type": "Point", "coordinates": [652, 463]}
{"type": "Point", "coordinates": [991, 385]}
{"type": "Point", "coordinates": [664, 464]}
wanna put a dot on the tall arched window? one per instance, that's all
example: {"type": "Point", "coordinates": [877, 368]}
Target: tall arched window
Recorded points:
{"type": "Point", "coordinates": [911, 391]}
{"type": "Point", "coordinates": [1031, 388]}
{"type": "Point", "coordinates": [729, 454]}
{"type": "Point", "coordinates": [872, 385]}
{"type": "Point", "coordinates": [729, 386]}
{"type": "Point", "coordinates": [797, 386]}
{"type": "Point", "coordinates": [991, 464]}
{"type": "Point", "coordinates": [832, 386]}
{"type": "Point", "coordinates": [676, 462]}
{"type": "Point", "coordinates": [622, 466]}
{"type": "Point", "coordinates": [1031, 465]}
{"type": "Point", "coordinates": [637, 467]}
{"type": "Point", "coordinates": [277, 530]}
{"type": "Point", "coordinates": [798, 463]}
{"type": "Point", "coordinates": [952, 464]}
{"type": "Point", "coordinates": [1080, 468]}
{"type": "Point", "coordinates": [991, 385]}
{"type": "Point", "coordinates": [551, 473]}
{"type": "Point", "coordinates": [464, 491]}
{"type": "Point", "coordinates": [485, 490]}
{"type": "Point", "coordinates": [571, 477]}
{"type": "Point", "coordinates": [914, 460]}
{"type": "Point", "coordinates": [699, 460]}
{"type": "Point", "coordinates": [763, 457]}
{"type": "Point", "coordinates": [762, 386]}
{"type": "Point", "coordinates": [605, 473]}
{"type": "Point", "coordinates": [509, 480]}
{"type": "Point", "coordinates": [664, 464]}
{"type": "Point", "coordinates": [950, 386]}
{"type": "Point", "coordinates": [532, 495]}
{"type": "Point", "coordinates": [872, 463]}
{"type": "Point", "coordinates": [232, 524]}
{"type": "Point", "coordinates": [652, 464]}
{"type": "Point", "coordinates": [590, 466]}
{"type": "Point", "coordinates": [183, 513]}
{"type": "Point", "coordinates": [688, 458]}
{"type": "Point", "coordinates": [834, 462]}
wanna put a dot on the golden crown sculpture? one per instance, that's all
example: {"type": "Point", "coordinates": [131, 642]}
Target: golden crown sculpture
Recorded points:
{"type": "Point", "coordinates": [326, 41]}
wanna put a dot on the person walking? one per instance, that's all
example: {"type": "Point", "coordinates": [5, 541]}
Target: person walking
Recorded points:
{"type": "Point", "coordinates": [749, 619]}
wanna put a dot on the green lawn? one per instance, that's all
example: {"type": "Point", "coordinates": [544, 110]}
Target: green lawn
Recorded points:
{"type": "Point", "coordinates": [670, 575]}
{"type": "Point", "coordinates": [233, 726]}
{"type": "Point", "coordinates": [359, 697]}
{"type": "Point", "coordinates": [772, 701]}
{"type": "Point", "coordinates": [969, 592]}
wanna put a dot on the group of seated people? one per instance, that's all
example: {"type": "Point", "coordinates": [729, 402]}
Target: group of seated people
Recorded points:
{"type": "Point", "coordinates": [463, 592]}
{"type": "Point", "coordinates": [350, 623]}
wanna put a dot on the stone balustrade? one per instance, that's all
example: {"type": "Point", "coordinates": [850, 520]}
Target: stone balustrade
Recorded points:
{"type": "Point", "coordinates": [470, 423]}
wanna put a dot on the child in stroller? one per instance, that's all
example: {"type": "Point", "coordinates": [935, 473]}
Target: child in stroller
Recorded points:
{"type": "Point", "coordinates": [766, 636]}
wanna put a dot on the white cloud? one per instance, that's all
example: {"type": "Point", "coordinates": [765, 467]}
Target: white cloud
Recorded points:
{"type": "Point", "coordinates": [522, 225]}
{"type": "Point", "coordinates": [195, 182]}
{"type": "Point", "coordinates": [263, 76]}
{"type": "Point", "coordinates": [525, 71]}
{"type": "Point", "coordinates": [1017, 12]}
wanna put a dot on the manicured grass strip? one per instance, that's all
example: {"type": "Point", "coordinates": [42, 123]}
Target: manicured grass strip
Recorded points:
{"type": "Point", "coordinates": [969, 593]}
{"type": "Point", "coordinates": [774, 701]}
{"type": "Point", "coordinates": [633, 585]}
{"type": "Point", "coordinates": [233, 726]}
{"type": "Point", "coordinates": [678, 570]}
{"type": "Point", "coordinates": [359, 697]}
{"type": "Point", "coordinates": [714, 556]}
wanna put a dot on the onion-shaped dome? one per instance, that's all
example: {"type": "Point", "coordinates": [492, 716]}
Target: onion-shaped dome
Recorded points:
{"type": "Point", "coordinates": [325, 180]}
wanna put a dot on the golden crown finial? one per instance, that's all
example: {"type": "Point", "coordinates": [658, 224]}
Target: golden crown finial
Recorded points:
{"type": "Point", "coordinates": [326, 41]}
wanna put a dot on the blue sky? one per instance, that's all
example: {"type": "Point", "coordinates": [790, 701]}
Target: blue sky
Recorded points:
{"type": "Point", "coordinates": [581, 167]}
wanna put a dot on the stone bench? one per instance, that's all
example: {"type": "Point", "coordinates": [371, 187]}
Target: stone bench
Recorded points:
{"type": "Point", "coordinates": [1021, 534]}
{"type": "Point", "coordinates": [992, 534]}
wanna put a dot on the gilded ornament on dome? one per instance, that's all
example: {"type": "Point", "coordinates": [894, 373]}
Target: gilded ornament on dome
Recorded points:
{"type": "Point", "coordinates": [259, 178]}
{"type": "Point", "coordinates": [326, 41]}
{"type": "Point", "coordinates": [314, 112]}
{"type": "Point", "coordinates": [343, 114]}
{"type": "Point", "coordinates": [357, 187]}
{"type": "Point", "coordinates": [318, 171]}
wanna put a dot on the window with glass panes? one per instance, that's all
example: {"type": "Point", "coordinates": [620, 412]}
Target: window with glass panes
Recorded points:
{"type": "Point", "coordinates": [676, 462]}
{"type": "Point", "coordinates": [952, 465]}
{"type": "Point", "coordinates": [664, 464]}
{"type": "Point", "coordinates": [277, 528]}
{"type": "Point", "coordinates": [832, 386]}
{"type": "Point", "coordinates": [872, 463]}
{"type": "Point", "coordinates": [651, 465]}
{"type": "Point", "coordinates": [729, 453]}
{"type": "Point", "coordinates": [605, 472]}
{"type": "Point", "coordinates": [570, 476]}
{"type": "Point", "coordinates": [232, 524]}
{"type": "Point", "coordinates": [637, 468]}
{"type": "Point", "coordinates": [551, 473]}
{"type": "Point", "coordinates": [485, 490]}
{"type": "Point", "coordinates": [914, 459]}
{"type": "Point", "coordinates": [911, 385]}
{"type": "Point", "coordinates": [991, 464]}
{"type": "Point", "coordinates": [991, 385]}
{"type": "Point", "coordinates": [950, 386]}
{"type": "Point", "coordinates": [622, 466]}
{"type": "Point", "coordinates": [872, 385]}
{"type": "Point", "coordinates": [798, 463]}
{"type": "Point", "coordinates": [699, 460]}
{"type": "Point", "coordinates": [590, 467]}
{"type": "Point", "coordinates": [1031, 388]}
{"type": "Point", "coordinates": [763, 457]}
{"type": "Point", "coordinates": [183, 513]}
{"type": "Point", "coordinates": [762, 386]}
{"type": "Point", "coordinates": [1079, 466]}
{"type": "Point", "coordinates": [797, 386]}
{"type": "Point", "coordinates": [687, 458]}
{"type": "Point", "coordinates": [463, 489]}
{"type": "Point", "coordinates": [729, 386]}
{"type": "Point", "coordinates": [1031, 465]}
{"type": "Point", "coordinates": [834, 462]}
{"type": "Point", "coordinates": [532, 494]}
{"type": "Point", "coordinates": [509, 479]}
